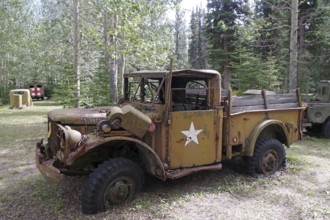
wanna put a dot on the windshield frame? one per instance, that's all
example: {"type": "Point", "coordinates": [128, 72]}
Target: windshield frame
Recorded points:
{"type": "Point", "coordinates": [146, 86]}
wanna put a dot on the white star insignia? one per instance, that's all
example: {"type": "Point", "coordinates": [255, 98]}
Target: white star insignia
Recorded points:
{"type": "Point", "coordinates": [191, 134]}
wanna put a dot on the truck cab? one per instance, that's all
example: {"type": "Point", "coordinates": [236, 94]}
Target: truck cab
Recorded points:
{"type": "Point", "coordinates": [323, 94]}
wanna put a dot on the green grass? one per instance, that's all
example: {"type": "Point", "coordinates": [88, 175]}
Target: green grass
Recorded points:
{"type": "Point", "coordinates": [24, 194]}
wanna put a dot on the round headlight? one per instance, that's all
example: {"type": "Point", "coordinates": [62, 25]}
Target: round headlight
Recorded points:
{"type": "Point", "coordinates": [74, 138]}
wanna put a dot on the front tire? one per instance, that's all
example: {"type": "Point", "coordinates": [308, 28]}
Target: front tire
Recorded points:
{"type": "Point", "coordinates": [268, 157]}
{"type": "Point", "coordinates": [114, 182]}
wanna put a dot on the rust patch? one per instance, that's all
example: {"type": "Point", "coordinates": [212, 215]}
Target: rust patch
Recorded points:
{"type": "Point", "coordinates": [182, 140]}
{"type": "Point", "coordinates": [46, 168]}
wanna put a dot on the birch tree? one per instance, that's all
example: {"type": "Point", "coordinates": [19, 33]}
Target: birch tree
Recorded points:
{"type": "Point", "coordinates": [76, 53]}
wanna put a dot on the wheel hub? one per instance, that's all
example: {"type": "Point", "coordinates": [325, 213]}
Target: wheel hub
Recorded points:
{"type": "Point", "coordinates": [270, 162]}
{"type": "Point", "coordinates": [119, 191]}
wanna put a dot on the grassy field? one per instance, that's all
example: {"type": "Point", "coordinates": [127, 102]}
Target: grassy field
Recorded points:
{"type": "Point", "coordinates": [302, 191]}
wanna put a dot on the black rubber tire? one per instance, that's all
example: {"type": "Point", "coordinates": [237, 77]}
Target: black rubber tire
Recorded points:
{"type": "Point", "coordinates": [326, 129]}
{"type": "Point", "coordinates": [316, 128]}
{"type": "Point", "coordinates": [114, 182]}
{"type": "Point", "coordinates": [269, 156]}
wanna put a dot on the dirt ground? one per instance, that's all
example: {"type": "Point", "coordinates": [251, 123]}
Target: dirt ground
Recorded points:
{"type": "Point", "coordinates": [301, 191]}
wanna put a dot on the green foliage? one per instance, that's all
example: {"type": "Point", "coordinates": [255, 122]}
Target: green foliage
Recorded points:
{"type": "Point", "coordinates": [223, 20]}
{"type": "Point", "coordinates": [247, 70]}
{"type": "Point", "coordinates": [256, 49]}
{"type": "Point", "coordinates": [270, 42]}
{"type": "Point", "coordinates": [272, 27]}
{"type": "Point", "coordinates": [252, 72]}
{"type": "Point", "coordinates": [197, 50]}
{"type": "Point", "coordinates": [13, 51]}
{"type": "Point", "coordinates": [130, 35]}
{"type": "Point", "coordinates": [38, 36]}
{"type": "Point", "coordinates": [315, 62]}
{"type": "Point", "coordinates": [37, 43]}
{"type": "Point", "coordinates": [65, 89]}
{"type": "Point", "coordinates": [4, 94]}
{"type": "Point", "coordinates": [180, 39]}
{"type": "Point", "coordinates": [99, 87]}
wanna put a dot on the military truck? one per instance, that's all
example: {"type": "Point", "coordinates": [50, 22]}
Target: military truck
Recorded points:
{"type": "Point", "coordinates": [317, 117]}
{"type": "Point", "coordinates": [169, 124]}
{"type": "Point", "coordinates": [37, 90]}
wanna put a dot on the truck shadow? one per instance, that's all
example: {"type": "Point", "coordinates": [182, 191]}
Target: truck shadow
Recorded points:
{"type": "Point", "coordinates": [313, 134]}
{"type": "Point", "coordinates": [56, 201]}
{"type": "Point", "coordinates": [197, 182]}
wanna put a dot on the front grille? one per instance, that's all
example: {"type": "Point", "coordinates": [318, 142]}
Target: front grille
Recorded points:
{"type": "Point", "coordinates": [53, 140]}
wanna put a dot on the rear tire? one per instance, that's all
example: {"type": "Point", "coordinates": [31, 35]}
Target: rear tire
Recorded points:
{"type": "Point", "coordinates": [268, 157]}
{"type": "Point", "coordinates": [114, 182]}
{"type": "Point", "coordinates": [326, 129]}
{"type": "Point", "coordinates": [315, 128]}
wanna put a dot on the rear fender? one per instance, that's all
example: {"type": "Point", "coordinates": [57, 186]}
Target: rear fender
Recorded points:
{"type": "Point", "coordinates": [268, 128]}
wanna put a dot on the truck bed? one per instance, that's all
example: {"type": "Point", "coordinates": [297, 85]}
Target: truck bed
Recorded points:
{"type": "Point", "coordinates": [262, 102]}
{"type": "Point", "coordinates": [244, 115]}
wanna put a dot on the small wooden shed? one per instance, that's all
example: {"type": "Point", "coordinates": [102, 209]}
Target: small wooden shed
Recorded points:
{"type": "Point", "coordinates": [20, 98]}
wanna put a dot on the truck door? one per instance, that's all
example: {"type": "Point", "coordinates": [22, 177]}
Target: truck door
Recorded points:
{"type": "Point", "coordinates": [192, 125]}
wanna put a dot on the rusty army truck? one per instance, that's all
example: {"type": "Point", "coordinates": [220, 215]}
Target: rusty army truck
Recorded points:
{"type": "Point", "coordinates": [168, 124]}
{"type": "Point", "coordinates": [317, 116]}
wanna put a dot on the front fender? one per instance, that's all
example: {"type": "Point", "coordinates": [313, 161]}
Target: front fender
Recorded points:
{"type": "Point", "coordinates": [153, 162]}
{"type": "Point", "coordinates": [280, 133]}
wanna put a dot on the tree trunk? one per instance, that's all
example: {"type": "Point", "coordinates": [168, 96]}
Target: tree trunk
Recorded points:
{"type": "Point", "coordinates": [76, 38]}
{"type": "Point", "coordinates": [302, 46]}
{"type": "Point", "coordinates": [121, 68]}
{"type": "Point", "coordinates": [226, 71]}
{"type": "Point", "coordinates": [113, 74]}
{"type": "Point", "coordinates": [226, 77]}
{"type": "Point", "coordinates": [110, 54]}
{"type": "Point", "coordinates": [204, 42]}
{"type": "Point", "coordinates": [303, 74]}
{"type": "Point", "coordinates": [293, 47]}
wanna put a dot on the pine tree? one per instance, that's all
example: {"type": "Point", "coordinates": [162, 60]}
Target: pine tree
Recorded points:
{"type": "Point", "coordinates": [272, 35]}
{"type": "Point", "coordinates": [222, 21]}
{"type": "Point", "coordinates": [313, 38]}
{"type": "Point", "coordinates": [193, 44]}
{"type": "Point", "coordinates": [180, 39]}
{"type": "Point", "coordinates": [197, 44]}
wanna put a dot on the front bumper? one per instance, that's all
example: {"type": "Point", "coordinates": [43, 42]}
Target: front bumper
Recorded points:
{"type": "Point", "coordinates": [46, 166]}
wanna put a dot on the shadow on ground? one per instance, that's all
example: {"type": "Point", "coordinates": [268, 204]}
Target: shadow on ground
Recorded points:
{"type": "Point", "coordinates": [33, 197]}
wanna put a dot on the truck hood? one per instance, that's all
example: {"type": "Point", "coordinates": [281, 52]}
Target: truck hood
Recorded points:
{"type": "Point", "coordinates": [79, 116]}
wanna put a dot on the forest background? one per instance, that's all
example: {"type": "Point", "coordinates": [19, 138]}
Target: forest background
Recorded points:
{"type": "Point", "coordinates": [80, 49]}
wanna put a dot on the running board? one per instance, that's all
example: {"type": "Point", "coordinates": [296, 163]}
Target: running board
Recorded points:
{"type": "Point", "coordinates": [175, 174]}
